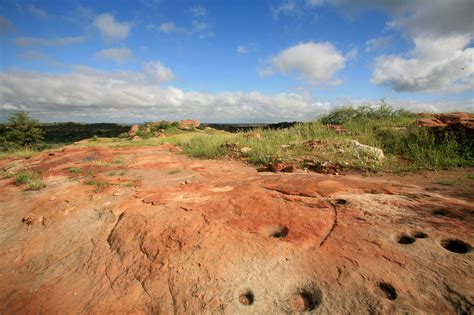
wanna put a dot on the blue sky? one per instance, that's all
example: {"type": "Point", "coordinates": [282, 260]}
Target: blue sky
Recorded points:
{"type": "Point", "coordinates": [232, 61]}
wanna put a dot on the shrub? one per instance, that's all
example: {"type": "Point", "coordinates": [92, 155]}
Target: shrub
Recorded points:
{"type": "Point", "coordinates": [347, 114]}
{"type": "Point", "coordinates": [22, 131]}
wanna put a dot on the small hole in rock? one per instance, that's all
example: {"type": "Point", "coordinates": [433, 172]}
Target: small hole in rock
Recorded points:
{"type": "Point", "coordinates": [341, 201]}
{"type": "Point", "coordinates": [419, 234]}
{"type": "Point", "coordinates": [456, 246]}
{"type": "Point", "coordinates": [388, 290]}
{"type": "Point", "coordinates": [304, 301]}
{"type": "Point", "coordinates": [246, 298]}
{"type": "Point", "coordinates": [405, 240]}
{"type": "Point", "coordinates": [276, 231]}
{"type": "Point", "coordinates": [440, 212]}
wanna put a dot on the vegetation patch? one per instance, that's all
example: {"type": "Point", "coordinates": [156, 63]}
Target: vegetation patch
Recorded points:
{"type": "Point", "coordinates": [446, 182]}
{"type": "Point", "coordinates": [75, 170]}
{"type": "Point", "coordinates": [29, 178]}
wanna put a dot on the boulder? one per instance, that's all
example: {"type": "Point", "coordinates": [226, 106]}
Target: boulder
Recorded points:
{"type": "Point", "coordinates": [367, 151]}
{"type": "Point", "coordinates": [188, 124]}
{"type": "Point", "coordinates": [133, 131]}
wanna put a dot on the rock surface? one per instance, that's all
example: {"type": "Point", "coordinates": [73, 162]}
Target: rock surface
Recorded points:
{"type": "Point", "coordinates": [463, 119]}
{"type": "Point", "coordinates": [231, 241]}
{"type": "Point", "coordinates": [133, 131]}
{"type": "Point", "coordinates": [188, 124]}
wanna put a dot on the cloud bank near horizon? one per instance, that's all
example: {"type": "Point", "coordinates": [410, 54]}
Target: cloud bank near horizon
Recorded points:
{"type": "Point", "coordinates": [86, 94]}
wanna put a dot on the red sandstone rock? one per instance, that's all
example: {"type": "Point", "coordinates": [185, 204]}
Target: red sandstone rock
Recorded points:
{"type": "Point", "coordinates": [297, 242]}
{"type": "Point", "coordinates": [187, 124]}
{"type": "Point", "coordinates": [133, 131]}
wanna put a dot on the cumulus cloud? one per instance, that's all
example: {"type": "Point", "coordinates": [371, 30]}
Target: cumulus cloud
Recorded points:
{"type": "Point", "coordinates": [116, 54]}
{"type": "Point", "coordinates": [435, 65]}
{"type": "Point", "coordinates": [378, 43]}
{"type": "Point", "coordinates": [441, 32]}
{"type": "Point", "coordinates": [37, 11]}
{"type": "Point", "coordinates": [313, 62]}
{"type": "Point", "coordinates": [158, 72]}
{"type": "Point", "coordinates": [41, 41]}
{"type": "Point", "coordinates": [87, 94]}
{"type": "Point", "coordinates": [111, 29]}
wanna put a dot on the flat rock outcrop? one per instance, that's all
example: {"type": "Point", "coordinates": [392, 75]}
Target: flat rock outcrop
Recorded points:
{"type": "Point", "coordinates": [231, 240]}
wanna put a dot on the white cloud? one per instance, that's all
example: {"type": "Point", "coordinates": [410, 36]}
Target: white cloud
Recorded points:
{"type": "Point", "coordinates": [378, 43]}
{"type": "Point", "coordinates": [242, 50]}
{"type": "Point", "coordinates": [158, 72]}
{"type": "Point", "coordinates": [41, 41]}
{"type": "Point", "coordinates": [435, 65]}
{"type": "Point", "coordinates": [37, 11]}
{"type": "Point", "coordinates": [116, 54]}
{"type": "Point", "coordinates": [314, 62]}
{"type": "Point", "coordinates": [110, 29]}
{"type": "Point", "coordinates": [442, 32]}
{"type": "Point", "coordinates": [87, 94]}
{"type": "Point", "coordinates": [198, 11]}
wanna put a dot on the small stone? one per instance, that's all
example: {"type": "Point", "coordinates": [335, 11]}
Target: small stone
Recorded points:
{"type": "Point", "coordinates": [187, 181]}
{"type": "Point", "coordinates": [246, 299]}
{"type": "Point", "coordinates": [300, 303]}
{"type": "Point", "coordinates": [117, 193]}
{"type": "Point", "coordinates": [52, 198]}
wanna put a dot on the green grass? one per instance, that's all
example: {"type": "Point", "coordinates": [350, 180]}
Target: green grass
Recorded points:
{"type": "Point", "coordinates": [75, 170]}
{"type": "Point", "coordinates": [30, 178]}
{"type": "Point", "coordinates": [471, 177]}
{"type": "Point", "coordinates": [22, 153]}
{"type": "Point", "coordinates": [446, 182]}
{"type": "Point", "coordinates": [406, 146]}
{"type": "Point", "coordinates": [174, 171]}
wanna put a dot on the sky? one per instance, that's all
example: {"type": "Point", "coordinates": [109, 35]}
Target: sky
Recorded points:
{"type": "Point", "coordinates": [232, 61]}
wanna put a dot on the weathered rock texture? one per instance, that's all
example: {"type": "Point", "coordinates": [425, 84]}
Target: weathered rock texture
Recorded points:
{"type": "Point", "coordinates": [231, 241]}
{"type": "Point", "coordinates": [188, 124]}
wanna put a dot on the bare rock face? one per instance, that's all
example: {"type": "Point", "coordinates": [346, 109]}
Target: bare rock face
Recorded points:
{"type": "Point", "coordinates": [188, 124]}
{"type": "Point", "coordinates": [465, 120]}
{"type": "Point", "coordinates": [229, 241]}
{"type": "Point", "coordinates": [133, 131]}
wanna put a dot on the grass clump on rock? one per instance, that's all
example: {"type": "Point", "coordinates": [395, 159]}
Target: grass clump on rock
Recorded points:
{"type": "Point", "coordinates": [29, 178]}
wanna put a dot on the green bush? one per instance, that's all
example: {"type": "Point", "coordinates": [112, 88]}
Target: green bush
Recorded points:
{"type": "Point", "coordinates": [21, 131]}
{"type": "Point", "coordinates": [347, 114]}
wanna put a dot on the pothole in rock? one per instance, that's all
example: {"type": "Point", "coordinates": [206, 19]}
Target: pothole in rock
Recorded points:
{"type": "Point", "coordinates": [405, 239]}
{"type": "Point", "coordinates": [305, 300]}
{"type": "Point", "coordinates": [456, 246]}
{"type": "Point", "coordinates": [341, 201]}
{"type": "Point", "coordinates": [419, 234]}
{"type": "Point", "coordinates": [276, 231]}
{"type": "Point", "coordinates": [246, 298]}
{"type": "Point", "coordinates": [387, 290]}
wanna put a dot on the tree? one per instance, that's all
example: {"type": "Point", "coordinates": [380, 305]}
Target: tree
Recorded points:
{"type": "Point", "coordinates": [23, 130]}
